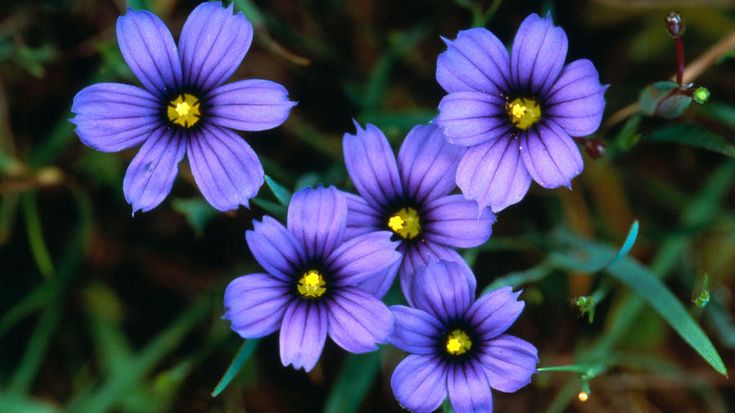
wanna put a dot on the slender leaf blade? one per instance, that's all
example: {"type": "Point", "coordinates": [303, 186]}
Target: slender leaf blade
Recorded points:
{"type": "Point", "coordinates": [282, 194]}
{"type": "Point", "coordinates": [693, 136]}
{"type": "Point", "coordinates": [353, 383]}
{"type": "Point", "coordinates": [243, 356]}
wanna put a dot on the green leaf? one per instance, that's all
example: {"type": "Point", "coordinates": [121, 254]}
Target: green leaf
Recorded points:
{"type": "Point", "coordinates": [282, 194]}
{"type": "Point", "coordinates": [693, 136]}
{"type": "Point", "coordinates": [628, 244]}
{"type": "Point", "coordinates": [649, 288]}
{"type": "Point", "coordinates": [722, 112]}
{"type": "Point", "coordinates": [665, 99]}
{"type": "Point", "coordinates": [197, 211]}
{"type": "Point", "coordinates": [243, 355]}
{"type": "Point", "coordinates": [353, 383]}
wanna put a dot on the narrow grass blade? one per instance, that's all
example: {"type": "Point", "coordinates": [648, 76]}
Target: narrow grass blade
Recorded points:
{"type": "Point", "coordinates": [243, 355]}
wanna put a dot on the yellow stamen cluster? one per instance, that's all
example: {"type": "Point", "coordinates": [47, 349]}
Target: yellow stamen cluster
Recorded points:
{"type": "Point", "coordinates": [406, 223]}
{"type": "Point", "coordinates": [523, 112]}
{"type": "Point", "coordinates": [184, 110]}
{"type": "Point", "coordinates": [311, 284]}
{"type": "Point", "coordinates": [458, 343]}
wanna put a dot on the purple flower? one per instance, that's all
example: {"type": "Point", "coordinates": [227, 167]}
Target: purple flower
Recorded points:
{"type": "Point", "coordinates": [411, 198]}
{"type": "Point", "coordinates": [518, 112]}
{"type": "Point", "coordinates": [184, 107]}
{"type": "Point", "coordinates": [458, 345]}
{"type": "Point", "coordinates": [309, 288]}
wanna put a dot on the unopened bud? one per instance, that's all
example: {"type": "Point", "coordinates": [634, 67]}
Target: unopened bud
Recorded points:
{"type": "Point", "coordinates": [675, 24]}
{"type": "Point", "coordinates": [701, 95]}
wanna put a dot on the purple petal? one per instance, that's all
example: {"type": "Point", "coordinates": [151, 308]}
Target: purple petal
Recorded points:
{"type": "Point", "coordinates": [427, 163]}
{"type": "Point", "coordinates": [577, 99]}
{"type": "Point", "coordinates": [473, 118]}
{"type": "Point", "coordinates": [149, 50]}
{"type": "Point", "coordinates": [551, 156]}
{"type": "Point", "coordinates": [151, 174]}
{"type": "Point", "coordinates": [452, 220]}
{"type": "Point", "coordinates": [476, 60]}
{"type": "Point", "coordinates": [415, 331]}
{"type": "Point", "coordinates": [420, 383]}
{"type": "Point", "coordinates": [249, 105]}
{"type": "Point", "coordinates": [444, 289]}
{"type": "Point", "coordinates": [419, 255]}
{"type": "Point", "coordinates": [358, 321]}
{"type": "Point", "coordinates": [509, 363]}
{"type": "Point", "coordinates": [380, 282]}
{"type": "Point", "coordinates": [111, 117]}
{"type": "Point", "coordinates": [359, 258]}
{"type": "Point", "coordinates": [303, 333]}
{"type": "Point", "coordinates": [493, 174]}
{"type": "Point", "coordinates": [317, 219]}
{"type": "Point", "coordinates": [362, 217]}
{"type": "Point", "coordinates": [213, 43]}
{"type": "Point", "coordinates": [275, 249]}
{"type": "Point", "coordinates": [538, 54]}
{"type": "Point", "coordinates": [372, 165]}
{"type": "Point", "coordinates": [225, 167]}
{"type": "Point", "coordinates": [255, 304]}
{"type": "Point", "coordinates": [495, 312]}
{"type": "Point", "coordinates": [468, 388]}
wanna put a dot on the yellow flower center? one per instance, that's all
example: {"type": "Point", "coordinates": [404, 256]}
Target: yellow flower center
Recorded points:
{"type": "Point", "coordinates": [311, 284]}
{"type": "Point", "coordinates": [405, 223]}
{"type": "Point", "coordinates": [458, 343]}
{"type": "Point", "coordinates": [523, 112]}
{"type": "Point", "coordinates": [184, 110]}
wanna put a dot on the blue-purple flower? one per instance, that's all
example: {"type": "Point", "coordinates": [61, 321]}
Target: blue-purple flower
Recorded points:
{"type": "Point", "coordinates": [517, 113]}
{"type": "Point", "coordinates": [183, 108]}
{"type": "Point", "coordinates": [411, 198]}
{"type": "Point", "coordinates": [458, 345]}
{"type": "Point", "coordinates": [310, 285]}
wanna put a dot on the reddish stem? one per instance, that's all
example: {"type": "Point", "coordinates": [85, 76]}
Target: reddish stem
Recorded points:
{"type": "Point", "coordinates": [679, 61]}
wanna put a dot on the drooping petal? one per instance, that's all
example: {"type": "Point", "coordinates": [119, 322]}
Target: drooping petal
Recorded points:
{"type": "Point", "coordinates": [493, 174]}
{"type": "Point", "coordinates": [468, 388]}
{"type": "Point", "coordinates": [509, 362]}
{"type": "Point", "coordinates": [419, 383]}
{"type": "Point", "coordinates": [149, 50]}
{"type": "Point", "coordinates": [419, 255]}
{"type": "Point", "coordinates": [577, 99]}
{"type": "Point", "coordinates": [111, 117]}
{"type": "Point", "coordinates": [255, 304]}
{"type": "Point", "coordinates": [538, 54]}
{"type": "Point", "coordinates": [495, 312]}
{"type": "Point", "coordinates": [372, 165]}
{"type": "Point", "coordinates": [453, 220]}
{"type": "Point", "coordinates": [317, 218]}
{"type": "Point", "coordinates": [225, 167]}
{"type": "Point", "coordinates": [249, 105]}
{"type": "Point", "coordinates": [473, 118]}
{"type": "Point", "coordinates": [427, 163]}
{"type": "Point", "coordinates": [415, 331]}
{"type": "Point", "coordinates": [358, 321]}
{"type": "Point", "coordinates": [213, 43]}
{"type": "Point", "coordinates": [303, 334]}
{"type": "Point", "coordinates": [477, 61]}
{"type": "Point", "coordinates": [275, 249]}
{"type": "Point", "coordinates": [551, 156]}
{"type": "Point", "coordinates": [151, 174]}
{"type": "Point", "coordinates": [362, 217]}
{"type": "Point", "coordinates": [444, 289]}
{"type": "Point", "coordinates": [361, 257]}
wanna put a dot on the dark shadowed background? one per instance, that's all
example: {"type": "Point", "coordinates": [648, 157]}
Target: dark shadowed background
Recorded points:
{"type": "Point", "coordinates": [101, 311]}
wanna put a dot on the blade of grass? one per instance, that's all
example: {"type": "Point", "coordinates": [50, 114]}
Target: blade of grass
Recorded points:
{"type": "Point", "coordinates": [241, 358]}
{"type": "Point", "coordinates": [353, 383]}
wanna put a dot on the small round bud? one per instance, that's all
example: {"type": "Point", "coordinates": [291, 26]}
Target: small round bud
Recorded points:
{"type": "Point", "coordinates": [700, 95]}
{"type": "Point", "coordinates": [675, 24]}
{"type": "Point", "coordinates": [583, 396]}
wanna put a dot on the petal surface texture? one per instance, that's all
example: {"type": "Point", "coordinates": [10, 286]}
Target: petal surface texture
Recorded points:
{"type": "Point", "coordinates": [249, 105]}
{"type": "Point", "coordinates": [213, 43]}
{"type": "Point", "coordinates": [111, 117]}
{"type": "Point", "coordinates": [225, 167]}
{"type": "Point", "coordinates": [150, 52]}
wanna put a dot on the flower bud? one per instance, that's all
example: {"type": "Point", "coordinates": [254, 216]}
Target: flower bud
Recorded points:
{"type": "Point", "coordinates": [675, 24]}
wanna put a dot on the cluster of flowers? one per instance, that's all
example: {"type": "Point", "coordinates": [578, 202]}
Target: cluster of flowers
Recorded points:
{"type": "Point", "coordinates": [507, 118]}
